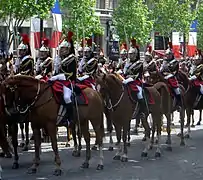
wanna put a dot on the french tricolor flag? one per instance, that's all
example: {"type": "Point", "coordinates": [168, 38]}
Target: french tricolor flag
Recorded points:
{"type": "Point", "coordinates": [57, 25]}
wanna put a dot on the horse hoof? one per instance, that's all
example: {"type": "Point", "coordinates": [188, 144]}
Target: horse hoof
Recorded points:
{"type": "Point", "coordinates": [186, 125]}
{"type": "Point", "coordinates": [157, 154]}
{"type": "Point", "coordinates": [182, 143]}
{"type": "Point", "coordinates": [94, 148]}
{"type": "Point", "coordinates": [117, 157]}
{"type": "Point", "coordinates": [187, 136]}
{"type": "Point", "coordinates": [192, 125]}
{"type": "Point", "coordinates": [76, 153]}
{"type": "Point", "coordinates": [110, 148]}
{"type": "Point", "coordinates": [169, 148]}
{"type": "Point", "coordinates": [144, 154]}
{"type": "Point", "coordinates": [85, 165]}
{"type": "Point", "coordinates": [32, 171]}
{"type": "Point", "coordinates": [198, 123]}
{"type": "Point", "coordinates": [32, 138]}
{"type": "Point", "coordinates": [22, 145]}
{"type": "Point", "coordinates": [128, 144]}
{"type": "Point", "coordinates": [117, 143]}
{"type": "Point", "coordinates": [124, 159]}
{"type": "Point", "coordinates": [57, 172]}
{"type": "Point", "coordinates": [144, 139]}
{"type": "Point", "coordinates": [100, 167]}
{"type": "Point", "coordinates": [25, 148]}
{"type": "Point", "coordinates": [15, 165]}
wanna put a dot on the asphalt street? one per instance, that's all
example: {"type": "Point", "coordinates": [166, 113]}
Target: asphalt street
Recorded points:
{"type": "Point", "coordinates": [183, 163]}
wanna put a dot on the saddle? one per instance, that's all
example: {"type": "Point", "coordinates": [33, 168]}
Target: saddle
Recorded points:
{"type": "Point", "coordinates": [133, 90]}
{"type": "Point", "coordinates": [78, 94]}
{"type": "Point", "coordinates": [89, 82]}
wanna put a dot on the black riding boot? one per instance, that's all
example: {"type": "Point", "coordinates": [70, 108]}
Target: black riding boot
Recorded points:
{"type": "Point", "coordinates": [69, 112]}
{"type": "Point", "coordinates": [143, 108]}
{"type": "Point", "coordinates": [178, 100]}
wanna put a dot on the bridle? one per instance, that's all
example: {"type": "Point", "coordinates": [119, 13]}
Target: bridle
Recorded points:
{"type": "Point", "coordinates": [28, 107]}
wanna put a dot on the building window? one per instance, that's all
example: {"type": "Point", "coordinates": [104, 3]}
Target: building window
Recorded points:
{"type": "Point", "coordinates": [98, 4]}
{"type": "Point", "coordinates": [159, 42]}
{"type": "Point", "coordinates": [102, 4]}
{"type": "Point", "coordinates": [111, 4]}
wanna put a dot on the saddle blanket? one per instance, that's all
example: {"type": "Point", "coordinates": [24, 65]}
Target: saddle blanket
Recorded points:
{"type": "Point", "coordinates": [133, 90]}
{"type": "Point", "coordinates": [87, 81]}
{"type": "Point", "coordinates": [80, 97]}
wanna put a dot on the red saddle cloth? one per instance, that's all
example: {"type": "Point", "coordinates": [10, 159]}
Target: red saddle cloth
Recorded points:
{"type": "Point", "coordinates": [87, 82]}
{"type": "Point", "coordinates": [57, 87]}
{"type": "Point", "coordinates": [133, 90]}
{"type": "Point", "coordinates": [44, 79]}
{"type": "Point", "coordinates": [197, 82]}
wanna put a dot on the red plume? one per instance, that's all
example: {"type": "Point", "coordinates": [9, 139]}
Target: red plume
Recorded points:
{"type": "Point", "coordinates": [45, 42]}
{"type": "Point", "coordinates": [123, 46]}
{"type": "Point", "coordinates": [150, 48]}
{"type": "Point", "coordinates": [89, 42]}
{"type": "Point", "coordinates": [25, 38]}
{"type": "Point", "coordinates": [70, 35]}
{"type": "Point", "coordinates": [133, 43]}
{"type": "Point", "coordinates": [170, 45]}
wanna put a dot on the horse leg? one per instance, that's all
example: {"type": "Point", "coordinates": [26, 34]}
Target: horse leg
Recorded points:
{"type": "Point", "coordinates": [193, 120]}
{"type": "Point", "coordinates": [157, 119]}
{"type": "Point", "coordinates": [68, 137]}
{"type": "Point", "coordinates": [15, 145]}
{"type": "Point", "coordinates": [168, 140]}
{"type": "Point", "coordinates": [200, 118]}
{"type": "Point", "coordinates": [188, 112]}
{"type": "Point", "coordinates": [124, 157]}
{"type": "Point", "coordinates": [22, 144]}
{"type": "Point", "coordinates": [0, 172]}
{"type": "Point", "coordinates": [25, 148]}
{"type": "Point", "coordinates": [182, 118]}
{"type": "Point", "coordinates": [118, 144]}
{"type": "Point", "coordinates": [86, 134]}
{"type": "Point", "coordinates": [147, 135]}
{"type": "Point", "coordinates": [109, 128]}
{"type": "Point", "coordinates": [152, 138]}
{"type": "Point", "coordinates": [75, 152]}
{"type": "Point", "coordinates": [37, 142]}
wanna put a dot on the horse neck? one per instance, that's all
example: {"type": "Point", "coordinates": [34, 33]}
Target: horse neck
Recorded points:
{"type": "Point", "coordinates": [115, 90]}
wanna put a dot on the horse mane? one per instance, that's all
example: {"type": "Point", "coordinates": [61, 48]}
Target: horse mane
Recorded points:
{"type": "Point", "coordinates": [114, 78]}
{"type": "Point", "coordinates": [22, 79]}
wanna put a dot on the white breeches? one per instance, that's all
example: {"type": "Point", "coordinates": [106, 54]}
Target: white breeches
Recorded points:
{"type": "Point", "coordinates": [177, 91]}
{"type": "Point", "coordinates": [139, 94]}
{"type": "Point", "coordinates": [67, 94]}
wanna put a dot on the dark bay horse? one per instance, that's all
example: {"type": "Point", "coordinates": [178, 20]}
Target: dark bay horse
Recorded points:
{"type": "Point", "coordinates": [113, 89]}
{"type": "Point", "coordinates": [43, 110]}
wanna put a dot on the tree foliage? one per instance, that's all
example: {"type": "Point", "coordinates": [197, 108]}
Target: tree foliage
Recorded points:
{"type": "Point", "coordinates": [200, 26]}
{"type": "Point", "coordinates": [131, 19]}
{"type": "Point", "coordinates": [15, 12]}
{"type": "Point", "coordinates": [79, 17]}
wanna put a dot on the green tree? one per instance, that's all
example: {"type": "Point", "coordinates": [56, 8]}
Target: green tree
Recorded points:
{"type": "Point", "coordinates": [79, 17]}
{"type": "Point", "coordinates": [132, 20]}
{"type": "Point", "coordinates": [15, 12]}
{"type": "Point", "coordinates": [200, 26]}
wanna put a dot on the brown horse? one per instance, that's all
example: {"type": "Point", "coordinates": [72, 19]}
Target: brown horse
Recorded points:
{"type": "Point", "coordinates": [43, 110]}
{"type": "Point", "coordinates": [112, 88]}
{"type": "Point", "coordinates": [157, 77]}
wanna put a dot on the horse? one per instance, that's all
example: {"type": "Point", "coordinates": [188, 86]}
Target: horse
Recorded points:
{"type": "Point", "coordinates": [168, 104]}
{"type": "Point", "coordinates": [43, 109]}
{"type": "Point", "coordinates": [123, 107]}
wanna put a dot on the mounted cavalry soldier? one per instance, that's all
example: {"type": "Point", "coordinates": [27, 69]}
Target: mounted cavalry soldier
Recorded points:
{"type": "Point", "coordinates": [88, 54]}
{"type": "Point", "coordinates": [169, 70]}
{"type": "Point", "coordinates": [133, 72]}
{"type": "Point", "coordinates": [44, 65]}
{"type": "Point", "coordinates": [25, 63]}
{"type": "Point", "coordinates": [67, 73]}
{"type": "Point", "coordinates": [197, 76]}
